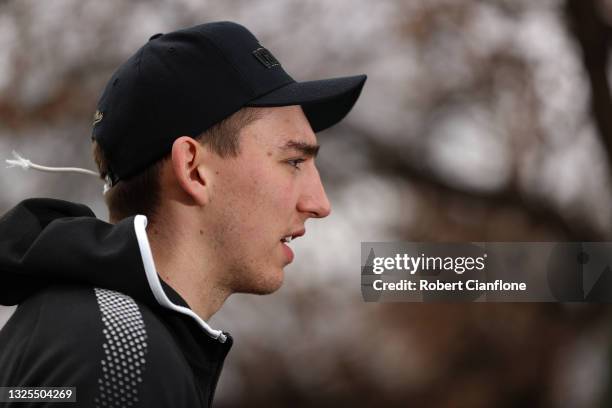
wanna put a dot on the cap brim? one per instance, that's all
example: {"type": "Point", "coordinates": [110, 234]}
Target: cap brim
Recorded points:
{"type": "Point", "coordinates": [325, 102]}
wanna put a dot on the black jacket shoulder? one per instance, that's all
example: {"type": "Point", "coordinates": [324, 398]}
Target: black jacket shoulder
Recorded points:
{"type": "Point", "coordinates": [113, 349]}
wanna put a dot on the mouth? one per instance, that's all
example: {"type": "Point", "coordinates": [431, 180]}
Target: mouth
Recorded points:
{"type": "Point", "coordinates": [288, 238]}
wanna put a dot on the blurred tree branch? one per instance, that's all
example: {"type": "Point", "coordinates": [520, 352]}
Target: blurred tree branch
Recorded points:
{"type": "Point", "coordinates": [593, 35]}
{"type": "Point", "coordinates": [389, 160]}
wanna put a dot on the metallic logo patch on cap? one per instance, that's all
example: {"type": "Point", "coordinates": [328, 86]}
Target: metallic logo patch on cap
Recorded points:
{"type": "Point", "coordinates": [97, 118]}
{"type": "Point", "coordinates": [265, 57]}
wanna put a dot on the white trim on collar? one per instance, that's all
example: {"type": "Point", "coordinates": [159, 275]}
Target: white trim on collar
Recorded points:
{"type": "Point", "coordinates": [140, 224]}
{"type": "Point", "coordinates": [5, 314]}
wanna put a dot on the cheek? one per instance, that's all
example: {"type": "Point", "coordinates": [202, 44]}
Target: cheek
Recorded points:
{"type": "Point", "coordinates": [254, 202]}
{"type": "Point", "coordinates": [261, 189]}
{"type": "Point", "coordinates": [240, 199]}
{"type": "Point", "coordinates": [273, 197]}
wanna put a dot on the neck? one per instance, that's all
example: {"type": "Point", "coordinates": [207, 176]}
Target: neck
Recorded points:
{"type": "Point", "coordinates": [186, 270]}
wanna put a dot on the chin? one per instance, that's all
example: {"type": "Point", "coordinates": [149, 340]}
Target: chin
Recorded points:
{"type": "Point", "coordinates": [264, 284]}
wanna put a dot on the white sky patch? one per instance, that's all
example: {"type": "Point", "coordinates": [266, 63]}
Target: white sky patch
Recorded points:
{"type": "Point", "coordinates": [465, 150]}
{"type": "Point", "coordinates": [489, 29]}
{"type": "Point", "coordinates": [150, 22]}
{"type": "Point", "coordinates": [574, 172]}
{"type": "Point", "coordinates": [559, 78]}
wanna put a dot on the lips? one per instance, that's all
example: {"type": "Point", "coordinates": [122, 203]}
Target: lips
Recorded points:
{"type": "Point", "coordinates": [288, 253]}
{"type": "Point", "coordinates": [287, 239]}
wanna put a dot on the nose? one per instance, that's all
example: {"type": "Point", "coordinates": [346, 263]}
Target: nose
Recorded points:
{"type": "Point", "coordinates": [313, 199]}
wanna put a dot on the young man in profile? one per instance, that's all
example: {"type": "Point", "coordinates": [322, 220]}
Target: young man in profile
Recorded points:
{"type": "Point", "coordinates": [207, 147]}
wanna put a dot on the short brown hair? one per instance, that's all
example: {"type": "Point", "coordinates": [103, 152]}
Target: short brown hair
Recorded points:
{"type": "Point", "coordinates": [141, 194]}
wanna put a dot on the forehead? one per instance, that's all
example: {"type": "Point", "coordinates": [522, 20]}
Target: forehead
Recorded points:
{"type": "Point", "coordinates": [277, 126]}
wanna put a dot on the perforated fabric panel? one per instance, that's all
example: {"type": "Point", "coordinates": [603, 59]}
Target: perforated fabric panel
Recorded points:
{"type": "Point", "coordinates": [125, 350]}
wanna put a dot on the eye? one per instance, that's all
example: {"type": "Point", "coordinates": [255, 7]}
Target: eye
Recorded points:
{"type": "Point", "coordinates": [295, 163]}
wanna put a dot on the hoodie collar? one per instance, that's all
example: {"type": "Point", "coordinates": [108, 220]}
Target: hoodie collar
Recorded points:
{"type": "Point", "coordinates": [46, 241]}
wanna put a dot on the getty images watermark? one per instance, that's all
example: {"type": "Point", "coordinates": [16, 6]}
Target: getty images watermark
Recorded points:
{"type": "Point", "coordinates": [486, 272]}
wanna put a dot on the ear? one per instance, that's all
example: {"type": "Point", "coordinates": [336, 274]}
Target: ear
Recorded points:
{"type": "Point", "coordinates": [189, 168]}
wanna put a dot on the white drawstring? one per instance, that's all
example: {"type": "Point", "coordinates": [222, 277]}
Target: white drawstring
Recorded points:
{"type": "Point", "coordinates": [27, 164]}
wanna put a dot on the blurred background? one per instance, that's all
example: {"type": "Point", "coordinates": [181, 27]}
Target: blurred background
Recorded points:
{"type": "Point", "coordinates": [484, 120]}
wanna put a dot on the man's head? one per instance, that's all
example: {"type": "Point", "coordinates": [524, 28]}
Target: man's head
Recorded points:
{"type": "Point", "coordinates": [203, 129]}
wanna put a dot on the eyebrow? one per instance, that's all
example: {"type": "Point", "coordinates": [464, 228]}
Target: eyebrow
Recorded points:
{"type": "Point", "coordinates": [307, 149]}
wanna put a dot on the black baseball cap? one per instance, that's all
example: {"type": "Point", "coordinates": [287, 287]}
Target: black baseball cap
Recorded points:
{"type": "Point", "coordinates": [184, 82]}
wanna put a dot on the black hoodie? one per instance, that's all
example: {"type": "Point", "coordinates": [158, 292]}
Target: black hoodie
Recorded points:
{"type": "Point", "coordinates": [93, 313]}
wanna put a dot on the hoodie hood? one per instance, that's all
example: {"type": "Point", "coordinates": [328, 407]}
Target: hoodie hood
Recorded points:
{"type": "Point", "coordinates": [46, 241]}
